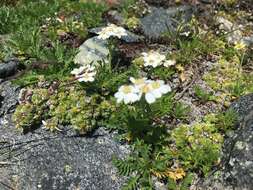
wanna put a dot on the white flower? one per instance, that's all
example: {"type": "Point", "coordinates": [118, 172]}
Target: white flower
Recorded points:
{"type": "Point", "coordinates": [240, 45]}
{"type": "Point", "coordinates": [111, 30]}
{"type": "Point", "coordinates": [84, 73]}
{"type": "Point", "coordinates": [87, 77]}
{"type": "Point", "coordinates": [78, 71]}
{"type": "Point", "coordinates": [149, 88]}
{"type": "Point", "coordinates": [154, 90]}
{"type": "Point", "coordinates": [153, 58]}
{"type": "Point", "coordinates": [44, 123]}
{"type": "Point", "coordinates": [169, 63]}
{"type": "Point", "coordinates": [127, 94]}
{"type": "Point", "coordinates": [186, 33]}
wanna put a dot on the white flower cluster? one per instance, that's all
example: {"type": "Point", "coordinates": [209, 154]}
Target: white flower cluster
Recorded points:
{"type": "Point", "coordinates": [84, 73]}
{"type": "Point", "coordinates": [154, 59]}
{"type": "Point", "coordinates": [111, 30]}
{"type": "Point", "coordinates": [149, 88]}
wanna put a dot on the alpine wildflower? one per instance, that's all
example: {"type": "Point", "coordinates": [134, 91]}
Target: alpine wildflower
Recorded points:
{"type": "Point", "coordinates": [127, 94]}
{"type": "Point", "coordinates": [154, 89]}
{"type": "Point", "coordinates": [149, 88]}
{"type": "Point", "coordinates": [240, 45]}
{"type": "Point", "coordinates": [169, 63]}
{"type": "Point", "coordinates": [153, 58]}
{"type": "Point", "coordinates": [112, 30]}
{"type": "Point", "coordinates": [84, 73]}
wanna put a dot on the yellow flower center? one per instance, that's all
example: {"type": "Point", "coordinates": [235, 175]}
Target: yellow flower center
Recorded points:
{"type": "Point", "coordinates": [139, 81]}
{"type": "Point", "coordinates": [151, 60]}
{"type": "Point", "coordinates": [127, 89]}
{"type": "Point", "coordinates": [145, 89]}
{"type": "Point", "coordinates": [155, 85]}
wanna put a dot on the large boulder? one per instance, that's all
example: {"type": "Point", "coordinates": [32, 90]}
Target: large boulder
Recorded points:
{"type": "Point", "coordinates": [161, 20]}
{"type": "Point", "coordinates": [44, 160]}
{"type": "Point", "coordinates": [236, 172]}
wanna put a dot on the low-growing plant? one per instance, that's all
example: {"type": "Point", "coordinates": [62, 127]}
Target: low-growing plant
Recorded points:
{"type": "Point", "coordinates": [198, 146]}
{"type": "Point", "coordinates": [70, 106]}
{"type": "Point", "coordinates": [7, 19]}
{"type": "Point", "coordinates": [202, 94]}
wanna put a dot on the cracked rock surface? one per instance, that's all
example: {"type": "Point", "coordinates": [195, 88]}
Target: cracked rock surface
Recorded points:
{"type": "Point", "coordinates": [43, 160]}
{"type": "Point", "coordinates": [237, 161]}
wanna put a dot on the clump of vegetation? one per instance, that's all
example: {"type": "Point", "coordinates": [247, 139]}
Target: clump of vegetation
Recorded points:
{"type": "Point", "coordinates": [134, 8]}
{"type": "Point", "coordinates": [202, 95]}
{"type": "Point", "coordinates": [174, 156]}
{"type": "Point", "coordinates": [227, 77]}
{"type": "Point", "coordinates": [198, 146]}
{"type": "Point", "coordinates": [69, 107]}
{"type": "Point", "coordinates": [132, 23]}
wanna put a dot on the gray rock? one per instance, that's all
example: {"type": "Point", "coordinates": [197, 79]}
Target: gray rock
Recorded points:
{"type": "Point", "coordinates": [42, 160]}
{"type": "Point", "coordinates": [9, 68]}
{"type": "Point", "coordinates": [243, 106]}
{"type": "Point", "coordinates": [157, 2]}
{"type": "Point", "coordinates": [233, 31]}
{"type": "Point", "coordinates": [206, 1]}
{"type": "Point", "coordinates": [248, 40]}
{"type": "Point", "coordinates": [92, 50]}
{"type": "Point", "coordinates": [129, 38]}
{"type": "Point", "coordinates": [237, 161]}
{"type": "Point", "coordinates": [8, 97]}
{"type": "Point", "coordinates": [162, 20]}
{"type": "Point", "coordinates": [115, 17]}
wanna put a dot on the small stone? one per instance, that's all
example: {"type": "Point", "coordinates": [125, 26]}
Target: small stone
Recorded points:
{"type": "Point", "coordinates": [115, 17]}
{"type": "Point", "coordinates": [92, 51]}
{"type": "Point", "coordinates": [248, 40]}
{"type": "Point", "coordinates": [233, 31]}
{"type": "Point", "coordinates": [9, 68]}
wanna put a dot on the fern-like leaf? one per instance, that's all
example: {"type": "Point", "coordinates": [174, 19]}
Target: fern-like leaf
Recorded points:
{"type": "Point", "coordinates": [132, 184]}
{"type": "Point", "coordinates": [124, 167]}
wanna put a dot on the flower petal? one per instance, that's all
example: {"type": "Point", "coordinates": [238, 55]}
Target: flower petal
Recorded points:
{"type": "Point", "coordinates": [165, 89]}
{"type": "Point", "coordinates": [150, 98]}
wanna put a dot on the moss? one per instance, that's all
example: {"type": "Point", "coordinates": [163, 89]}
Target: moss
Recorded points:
{"type": "Point", "coordinates": [134, 8]}
{"type": "Point", "coordinates": [228, 78]}
{"type": "Point", "coordinates": [70, 107]}
{"type": "Point", "coordinates": [198, 146]}
{"type": "Point", "coordinates": [132, 23]}
{"type": "Point", "coordinates": [229, 2]}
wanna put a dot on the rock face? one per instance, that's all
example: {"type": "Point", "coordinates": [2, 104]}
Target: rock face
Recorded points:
{"type": "Point", "coordinates": [237, 162]}
{"type": "Point", "coordinates": [92, 50]}
{"type": "Point", "coordinates": [45, 160]}
{"type": "Point", "coordinates": [162, 20]}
